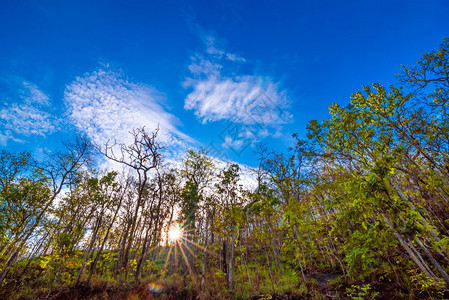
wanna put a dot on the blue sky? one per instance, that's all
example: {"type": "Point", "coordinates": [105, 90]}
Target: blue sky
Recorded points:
{"type": "Point", "coordinates": [223, 75]}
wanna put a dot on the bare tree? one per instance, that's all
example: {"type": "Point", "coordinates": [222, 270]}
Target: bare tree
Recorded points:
{"type": "Point", "coordinates": [142, 155]}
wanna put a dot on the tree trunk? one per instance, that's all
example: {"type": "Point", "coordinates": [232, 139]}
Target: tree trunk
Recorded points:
{"type": "Point", "coordinates": [434, 262]}
{"type": "Point", "coordinates": [225, 268]}
{"type": "Point", "coordinates": [92, 268]}
{"type": "Point", "coordinates": [230, 263]}
{"type": "Point", "coordinates": [89, 249]}
{"type": "Point", "coordinates": [143, 254]}
{"type": "Point", "coordinates": [203, 266]}
{"type": "Point", "coordinates": [421, 264]}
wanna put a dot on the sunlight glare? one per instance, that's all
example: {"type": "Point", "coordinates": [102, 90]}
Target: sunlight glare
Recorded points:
{"type": "Point", "coordinates": [175, 233]}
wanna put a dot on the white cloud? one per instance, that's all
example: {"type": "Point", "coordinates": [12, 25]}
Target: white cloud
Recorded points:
{"type": "Point", "coordinates": [32, 94]}
{"type": "Point", "coordinates": [231, 143]}
{"type": "Point", "coordinates": [8, 135]}
{"type": "Point", "coordinates": [27, 120]}
{"type": "Point", "coordinates": [246, 99]}
{"type": "Point", "coordinates": [212, 48]}
{"type": "Point", "coordinates": [26, 112]}
{"type": "Point", "coordinates": [219, 95]}
{"type": "Point", "coordinates": [106, 106]}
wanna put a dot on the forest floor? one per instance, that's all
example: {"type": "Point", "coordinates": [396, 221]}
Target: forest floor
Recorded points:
{"type": "Point", "coordinates": [136, 291]}
{"type": "Point", "coordinates": [321, 286]}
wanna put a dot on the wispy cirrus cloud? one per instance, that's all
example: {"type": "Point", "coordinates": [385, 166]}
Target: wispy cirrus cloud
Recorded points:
{"type": "Point", "coordinates": [243, 99]}
{"type": "Point", "coordinates": [219, 92]}
{"type": "Point", "coordinates": [25, 112]}
{"type": "Point", "coordinates": [32, 94]}
{"type": "Point", "coordinates": [106, 106]}
{"type": "Point", "coordinates": [211, 48]}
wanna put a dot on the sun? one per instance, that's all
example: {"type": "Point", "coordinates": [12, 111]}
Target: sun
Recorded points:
{"type": "Point", "coordinates": [175, 233]}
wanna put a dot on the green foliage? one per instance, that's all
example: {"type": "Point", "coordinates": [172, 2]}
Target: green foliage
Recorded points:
{"type": "Point", "coordinates": [356, 292]}
{"type": "Point", "coordinates": [191, 199]}
{"type": "Point", "coordinates": [365, 198]}
{"type": "Point", "coordinates": [424, 283]}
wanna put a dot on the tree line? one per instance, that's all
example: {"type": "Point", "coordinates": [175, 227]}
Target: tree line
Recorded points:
{"type": "Point", "coordinates": [365, 197]}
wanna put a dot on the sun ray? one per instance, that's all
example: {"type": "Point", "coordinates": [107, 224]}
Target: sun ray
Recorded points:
{"type": "Point", "coordinates": [176, 256]}
{"type": "Point", "coordinates": [168, 257]}
{"type": "Point", "coordinates": [151, 248]}
{"type": "Point", "coordinates": [201, 247]}
{"type": "Point", "coordinates": [188, 248]}
{"type": "Point", "coordinates": [186, 260]}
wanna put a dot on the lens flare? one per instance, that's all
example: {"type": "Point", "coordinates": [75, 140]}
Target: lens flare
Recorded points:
{"type": "Point", "coordinates": [155, 288]}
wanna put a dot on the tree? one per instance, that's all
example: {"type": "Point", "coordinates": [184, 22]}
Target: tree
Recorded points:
{"type": "Point", "coordinates": [365, 140]}
{"type": "Point", "coordinates": [59, 170]}
{"type": "Point", "coordinates": [198, 169]}
{"type": "Point", "coordinates": [104, 193]}
{"type": "Point", "coordinates": [230, 220]}
{"type": "Point", "coordinates": [429, 79]}
{"type": "Point", "coordinates": [142, 156]}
